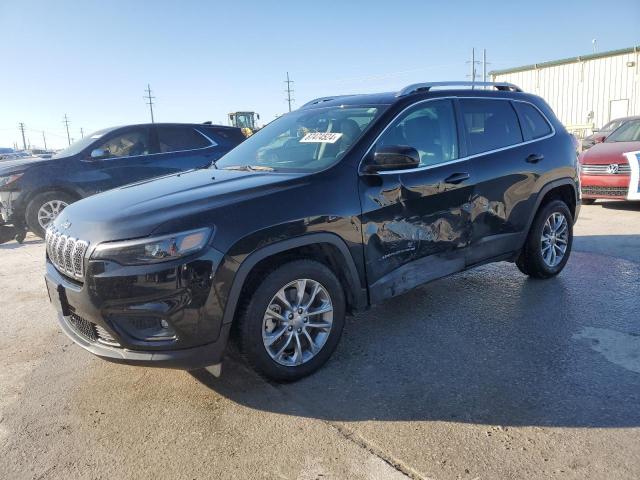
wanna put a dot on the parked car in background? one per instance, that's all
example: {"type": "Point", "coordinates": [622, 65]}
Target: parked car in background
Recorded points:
{"type": "Point", "coordinates": [341, 204]}
{"type": "Point", "coordinates": [598, 136]}
{"type": "Point", "coordinates": [33, 191]}
{"type": "Point", "coordinates": [604, 169]}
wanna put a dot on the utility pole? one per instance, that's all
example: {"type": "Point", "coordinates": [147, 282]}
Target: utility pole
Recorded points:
{"type": "Point", "coordinates": [289, 91]}
{"type": "Point", "coordinates": [44, 139]}
{"type": "Point", "coordinates": [473, 63]}
{"type": "Point", "coordinates": [81, 133]}
{"type": "Point", "coordinates": [484, 64]}
{"type": "Point", "coordinates": [473, 67]}
{"type": "Point", "coordinates": [24, 142]}
{"type": "Point", "coordinates": [66, 123]}
{"type": "Point", "coordinates": [150, 101]}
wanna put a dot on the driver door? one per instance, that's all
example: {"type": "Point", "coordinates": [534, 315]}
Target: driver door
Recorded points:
{"type": "Point", "coordinates": [417, 222]}
{"type": "Point", "coordinates": [127, 154]}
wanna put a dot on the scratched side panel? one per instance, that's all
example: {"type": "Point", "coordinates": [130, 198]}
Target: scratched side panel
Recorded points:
{"type": "Point", "coordinates": [413, 216]}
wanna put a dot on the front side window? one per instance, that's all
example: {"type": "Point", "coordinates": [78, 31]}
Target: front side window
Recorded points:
{"type": "Point", "coordinates": [303, 140]}
{"type": "Point", "coordinates": [629, 132]}
{"type": "Point", "coordinates": [490, 124]}
{"type": "Point", "coordinates": [430, 128]}
{"type": "Point", "coordinates": [532, 122]}
{"type": "Point", "coordinates": [130, 144]}
{"type": "Point", "coordinates": [176, 139]}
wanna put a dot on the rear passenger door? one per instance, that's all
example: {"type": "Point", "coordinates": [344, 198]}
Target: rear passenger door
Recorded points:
{"type": "Point", "coordinates": [507, 162]}
{"type": "Point", "coordinates": [181, 147]}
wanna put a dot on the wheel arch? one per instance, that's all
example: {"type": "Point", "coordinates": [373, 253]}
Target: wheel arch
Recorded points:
{"type": "Point", "coordinates": [327, 248]}
{"type": "Point", "coordinates": [564, 189]}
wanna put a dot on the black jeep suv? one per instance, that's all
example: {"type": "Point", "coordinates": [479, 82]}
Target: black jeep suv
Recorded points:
{"type": "Point", "coordinates": [332, 208]}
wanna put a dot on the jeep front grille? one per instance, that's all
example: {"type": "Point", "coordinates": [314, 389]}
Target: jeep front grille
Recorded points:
{"type": "Point", "coordinates": [66, 253]}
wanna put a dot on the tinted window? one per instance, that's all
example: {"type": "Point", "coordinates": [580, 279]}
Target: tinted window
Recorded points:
{"type": "Point", "coordinates": [490, 124]}
{"type": "Point", "coordinates": [429, 128]}
{"type": "Point", "coordinates": [532, 122]}
{"type": "Point", "coordinates": [129, 144]}
{"type": "Point", "coordinates": [231, 136]}
{"type": "Point", "coordinates": [175, 139]}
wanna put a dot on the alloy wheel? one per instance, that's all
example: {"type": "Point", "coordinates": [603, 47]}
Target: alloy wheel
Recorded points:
{"type": "Point", "coordinates": [555, 239]}
{"type": "Point", "coordinates": [297, 322]}
{"type": "Point", "coordinates": [49, 211]}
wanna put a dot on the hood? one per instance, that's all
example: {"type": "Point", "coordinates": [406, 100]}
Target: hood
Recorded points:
{"type": "Point", "coordinates": [143, 208]}
{"type": "Point", "coordinates": [605, 153]}
{"type": "Point", "coordinates": [20, 164]}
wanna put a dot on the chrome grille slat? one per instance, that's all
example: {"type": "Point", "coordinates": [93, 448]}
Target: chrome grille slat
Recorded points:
{"type": "Point", "coordinates": [603, 169]}
{"type": "Point", "coordinates": [66, 253]}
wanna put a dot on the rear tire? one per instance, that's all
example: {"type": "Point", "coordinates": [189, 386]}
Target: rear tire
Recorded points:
{"type": "Point", "coordinates": [548, 245]}
{"type": "Point", "coordinates": [267, 323]}
{"type": "Point", "coordinates": [44, 208]}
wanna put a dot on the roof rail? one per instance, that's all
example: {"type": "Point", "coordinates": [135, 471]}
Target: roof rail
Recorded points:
{"type": "Point", "coordinates": [315, 101]}
{"type": "Point", "coordinates": [425, 87]}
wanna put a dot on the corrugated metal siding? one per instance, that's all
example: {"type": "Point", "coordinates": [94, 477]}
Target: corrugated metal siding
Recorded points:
{"type": "Point", "coordinates": [575, 89]}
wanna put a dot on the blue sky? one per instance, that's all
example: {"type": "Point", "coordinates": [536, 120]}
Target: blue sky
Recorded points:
{"type": "Point", "coordinates": [92, 60]}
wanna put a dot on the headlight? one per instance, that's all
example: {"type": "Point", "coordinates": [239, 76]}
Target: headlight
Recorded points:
{"type": "Point", "coordinates": [153, 250]}
{"type": "Point", "coordinates": [9, 179]}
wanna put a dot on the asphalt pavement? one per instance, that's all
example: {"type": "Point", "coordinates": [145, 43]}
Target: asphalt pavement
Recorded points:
{"type": "Point", "coordinates": [482, 375]}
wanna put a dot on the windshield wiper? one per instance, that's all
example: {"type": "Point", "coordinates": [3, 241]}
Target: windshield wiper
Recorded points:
{"type": "Point", "coordinates": [250, 168]}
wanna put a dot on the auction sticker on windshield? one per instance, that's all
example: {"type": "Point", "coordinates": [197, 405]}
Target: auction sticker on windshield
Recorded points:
{"type": "Point", "coordinates": [321, 137]}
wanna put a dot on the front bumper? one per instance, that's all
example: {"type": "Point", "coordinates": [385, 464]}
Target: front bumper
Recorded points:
{"type": "Point", "coordinates": [605, 186]}
{"type": "Point", "coordinates": [99, 314]}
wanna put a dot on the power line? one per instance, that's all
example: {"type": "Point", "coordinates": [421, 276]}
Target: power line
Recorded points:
{"type": "Point", "coordinates": [24, 142]}
{"type": "Point", "coordinates": [66, 123]}
{"type": "Point", "coordinates": [150, 102]}
{"type": "Point", "coordinates": [289, 91]}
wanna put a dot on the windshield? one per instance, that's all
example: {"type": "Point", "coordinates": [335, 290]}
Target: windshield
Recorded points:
{"type": "Point", "coordinates": [80, 145]}
{"type": "Point", "coordinates": [612, 125]}
{"type": "Point", "coordinates": [304, 140]}
{"type": "Point", "coordinates": [629, 132]}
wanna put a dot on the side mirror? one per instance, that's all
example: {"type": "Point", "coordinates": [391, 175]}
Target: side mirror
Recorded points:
{"type": "Point", "coordinates": [99, 153]}
{"type": "Point", "coordinates": [392, 157]}
{"type": "Point", "coordinates": [599, 138]}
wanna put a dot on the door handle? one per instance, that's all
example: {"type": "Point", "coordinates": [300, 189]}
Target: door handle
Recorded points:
{"type": "Point", "coordinates": [457, 177]}
{"type": "Point", "coordinates": [535, 158]}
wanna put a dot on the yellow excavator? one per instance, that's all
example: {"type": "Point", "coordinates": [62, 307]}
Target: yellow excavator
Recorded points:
{"type": "Point", "coordinates": [246, 121]}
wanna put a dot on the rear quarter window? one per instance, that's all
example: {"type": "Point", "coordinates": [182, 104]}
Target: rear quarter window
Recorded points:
{"type": "Point", "coordinates": [533, 123]}
{"type": "Point", "coordinates": [228, 136]}
{"type": "Point", "coordinates": [176, 139]}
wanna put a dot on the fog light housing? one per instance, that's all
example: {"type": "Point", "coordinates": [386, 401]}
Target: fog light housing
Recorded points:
{"type": "Point", "coordinates": [147, 329]}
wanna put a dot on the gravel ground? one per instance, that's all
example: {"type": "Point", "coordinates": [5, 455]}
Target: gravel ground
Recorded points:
{"type": "Point", "coordinates": [482, 375]}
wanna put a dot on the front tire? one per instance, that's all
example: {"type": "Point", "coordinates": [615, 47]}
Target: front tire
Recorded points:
{"type": "Point", "coordinates": [44, 208]}
{"type": "Point", "coordinates": [548, 245]}
{"type": "Point", "coordinates": [293, 320]}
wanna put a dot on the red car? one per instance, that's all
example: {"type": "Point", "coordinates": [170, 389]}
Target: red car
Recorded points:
{"type": "Point", "coordinates": [604, 169]}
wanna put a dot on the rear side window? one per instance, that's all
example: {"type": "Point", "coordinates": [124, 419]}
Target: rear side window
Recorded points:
{"type": "Point", "coordinates": [175, 139]}
{"type": "Point", "coordinates": [231, 136]}
{"type": "Point", "coordinates": [490, 124]}
{"type": "Point", "coordinates": [533, 124]}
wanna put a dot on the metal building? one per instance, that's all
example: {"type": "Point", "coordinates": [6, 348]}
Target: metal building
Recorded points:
{"type": "Point", "coordinates": [587, 91]}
